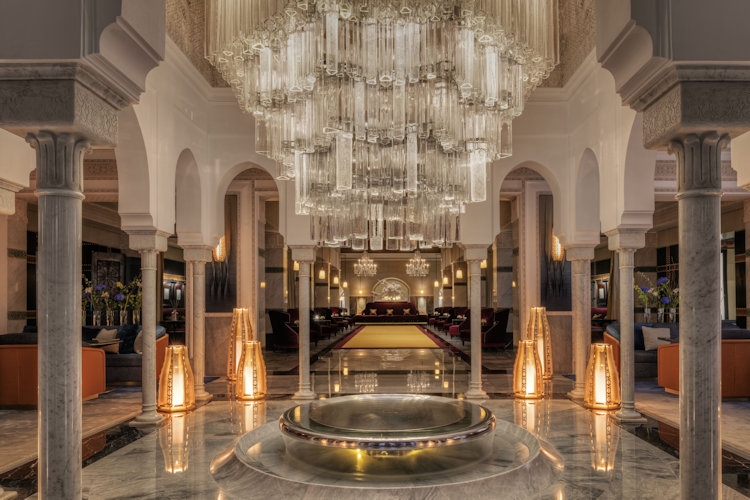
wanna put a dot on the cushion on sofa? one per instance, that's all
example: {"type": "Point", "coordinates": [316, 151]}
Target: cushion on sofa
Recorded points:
{"type": "Point", "coordinates": [18, 339]}
{"type": "Point", "coordinates": [127, 334]}
{"type": "Point", "coordinates": [652, 337]}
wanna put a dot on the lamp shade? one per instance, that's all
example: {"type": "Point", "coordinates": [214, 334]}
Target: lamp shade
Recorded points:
{"type": "Point", "coordinates": [295, 266]}
{"type": "Point", "coordinates": [345, 284]}
{"type": "Point", "coordinates": [220, 252]}
{"type": "Point", "coordinates": [322, 274]}
{"type": "Point", "coordinates": [483, 264]}
{"type": "Point", "coordinates": [538, 330]}
{"type": "Point", "coordinates": [527, 372]}
{"type": "Point", "coordinates": [558, 252]}
{"type": "Point", "coordinates": [445, 280]}
{"type": "Point", "coordinates": [173, 441]}
{"type": "Point", "coordinates": [176, 383]}
{"type": "Point", "coordinates": [602, 385]}
{"type": "Point", "coordinates": [459, 274]}
{"type": "Point", "coordinates": [335, 280]}
{"type": "Point", "coordinates": [239, 332]}
{"type": "Point", "coordinates": [251, 375]}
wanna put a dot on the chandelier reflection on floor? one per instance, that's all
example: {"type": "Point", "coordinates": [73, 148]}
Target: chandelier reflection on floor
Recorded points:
{"type": "Point", "coordinates": [365, 267]}
{"type": "Point", "coordinates": [417, 266]}
{"type": "Point", "coordinates": [384, 112]}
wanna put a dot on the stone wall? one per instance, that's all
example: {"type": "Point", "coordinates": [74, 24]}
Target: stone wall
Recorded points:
{"type": "Point", "coordinates": [187, 28]}
{"type": "Point", "coordinates": [577, 39]}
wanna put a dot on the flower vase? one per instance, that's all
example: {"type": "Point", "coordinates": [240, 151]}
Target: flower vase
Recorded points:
{"type": "Point", "coordinates": [673, 315]}
{"type": "Point", "coordinates": [647, 315]}
{"type": "Point", "coordinates": [110, 317]}
{"type": "Point", "coordinates": [83, 317]}
{"type": "Point", "coordinates": [660, 315]}
{"type": "Point", "coordinates": [123, 316]}
{"type": "Point", "coordinates": [136, 316]}
{"type": "Point", "coordinates": [96, 317]}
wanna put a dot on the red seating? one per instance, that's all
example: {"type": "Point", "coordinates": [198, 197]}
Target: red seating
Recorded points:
{"type": "Point", "coordinates": [496, 336]}
{"type": "Point", "coordinates": [377, 312]}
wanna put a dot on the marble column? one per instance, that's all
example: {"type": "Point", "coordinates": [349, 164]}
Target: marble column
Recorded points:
{"type": "Point", "coordinates": [699, 207]}
{"type": "Point", "coordinates": [149, 243]}
{"type": "Point", "coordinates": [580, 258]}
{"type": "Point", "coordinates": [189, 307]}
{"type": "Point", "coordinates": [59, 187]}
{"type": "Point", "coordinates": [474, 256]}
{"type": "Point", "coordinates": [625, 241]}
{"type": "Point", "coordinates": [305, 257]}
{"type": "Point", "coordinates": [197, 258]}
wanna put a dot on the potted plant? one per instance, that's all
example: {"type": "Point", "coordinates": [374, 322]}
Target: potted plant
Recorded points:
{"type": "Point", "coordinates": [86, 291]}
{"type": "Point", "coordinates": [646, 295]}
{"type": "Point", "coordinates": [669, 298]}
{"type": "Point", "coordinates": [120, 302]}
{"type": "Point", "coordinates": [135, 299]}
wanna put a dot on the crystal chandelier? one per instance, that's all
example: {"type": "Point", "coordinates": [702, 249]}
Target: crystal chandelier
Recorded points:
{"type": "Point", "coordinates": [365, 266]}
{"type": "Point", "coordinates": [385, 112]}
{"type": "Point", "coordinates": [417, 266]}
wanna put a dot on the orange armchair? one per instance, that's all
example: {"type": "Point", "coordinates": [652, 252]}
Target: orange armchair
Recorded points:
{"type": "Point", "coordinates": [735, 370]}
{"type": "Point", "coordinates": [19, 374]}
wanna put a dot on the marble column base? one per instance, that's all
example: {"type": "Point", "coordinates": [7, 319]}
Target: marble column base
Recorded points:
{"type": "Point", "coordinates": [577, 393]}
{"type": "Point", "coordinates": [147, 420]}
{"type": "Point", "coordinates": [304, 395]}
{"type": "Point", "coordinates": [475, 393]}
{"type": "Point", "coordinates": [203, 396]}
{"type": "Point", "coordinates": [629, 416]}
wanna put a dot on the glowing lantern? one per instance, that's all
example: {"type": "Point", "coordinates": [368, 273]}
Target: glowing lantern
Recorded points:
{"type": "Point", "coordinates": [176, 384]}
{"type": "Point", "coordinates": [459, 274]}
{"type": "Point", "coordinates": [527, 372]}
{"type": "Point", "coordinates": [335, 280]}
{"type": "Point", "coordinates": [557, 250]}
{"type": "Point", "coordinates": [602, 387]}
{"type": "Point", "coordinates": [322, 274]}
{"type": "Point", "coordinates": [445, 280]}
{"type": "Point", "coordinates": [239, 332]}
{"type": "Point", "coordinates": [220, 252]}
{"type": "Point", "coordinates": [539, 330]}
{"type": "Point", "coordinates": [251, 374]}
{"type": "Point", "coordinates": [295, 266]}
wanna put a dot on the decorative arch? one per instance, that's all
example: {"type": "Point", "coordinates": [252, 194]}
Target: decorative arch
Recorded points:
{"type": "Point", "coordinates": [638, 180]}
{"type": "Point", "coordinates": [390, 289]}
{"type": "Point", "coordinates": [188, 198]}
{"type": "Point", "coordinates": [586, 227]}
{"type": "Point", "coordinates": [136, 203]}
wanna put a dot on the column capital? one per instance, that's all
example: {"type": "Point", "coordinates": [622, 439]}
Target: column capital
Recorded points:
{"type": "Point", "coordinates": [579, 253]}
{"type": "Point", "coordinates": [197, 253]}
{"type": "Point", "coordinates": [303, 253]}
{"type": "Point", "coordinates": [626, 238]}
{"type": "Point", "coordinates": [148, 239]}
{"type": "Point", "coordinates": [699, 162]}
{"type": "Point", "coordinates": [59, 159]}
{"type": "Point", "coordinates": [475, 252]}
{"type": "Point", "coordinates": [8, 192]}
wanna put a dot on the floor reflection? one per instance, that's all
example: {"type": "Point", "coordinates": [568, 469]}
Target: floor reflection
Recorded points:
{"type": "Point", "coordinates": [413, 371]}
{"type": "Point", "coordinates": [174, 440]}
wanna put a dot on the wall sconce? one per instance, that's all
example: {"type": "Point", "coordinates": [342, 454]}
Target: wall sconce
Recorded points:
{"type": "Point", "coordinates": [557, 250]}
{"type": "Point", "coordinates": [602, 387]}
{"type": "Point", "coordinates": [483, 264]}
{"type": "Point", "coordinates": [445, 280]}
{"type": "Point", "coordinates": [538, 330]}
{"type": "Point", "coordinates": [335, 280]}
{"type": "Point", "coordinates": [220, 252]}
{"type": "Point", "coordinates": [527, 372]}
{"type": "Point", "coordinates": [295, 266]}
{"type": "Point", "coordinates": [345, 284]}
{"type": "Point", "coordinates": [555, 267]}
{"type": "Point", "coordinates": [239, 332]}
{"type": "Point", "coordinates": [360, 292]}
{"type": "Point", "coordinates": [322, 274]}
{"type": "Point", "coordinates": [262, 284]}
{"type": "Point", "coordinates": [436, 284]}
{"type": "Point", "coordinates": [459, 274]}
{"type": "Point", "coordinates": [605, 436]}
{"type": "Point", "coordinates": [176, 384]}
{"type": "Point", "coordinates": [251, 374]}
{"type": "Point", "coordinates": [421, 292]}
{"type": "Point", "coordinates": [173, 441]}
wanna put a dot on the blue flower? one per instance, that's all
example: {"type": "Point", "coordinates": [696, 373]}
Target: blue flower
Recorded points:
{"type": "Point", "coordinates": [662, 280]}
{"type": "Point", "coordinates": [119, 297]}
{"type": "Point", "coordinates": [87, 295]}
{"type": "Point", "coordinates": [100, 287]}
{"type": "Point", "coordinates": [644, 289]}
{"type": "Point", "coordinates": [665, 300]}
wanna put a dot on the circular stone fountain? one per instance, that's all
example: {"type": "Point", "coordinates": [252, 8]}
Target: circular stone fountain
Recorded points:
{"type": "Point", "coordinates": [399, 446]}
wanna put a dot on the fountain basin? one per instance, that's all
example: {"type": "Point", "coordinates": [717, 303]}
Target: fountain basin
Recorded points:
{"type": "Point", "coordinates": [388, 434]}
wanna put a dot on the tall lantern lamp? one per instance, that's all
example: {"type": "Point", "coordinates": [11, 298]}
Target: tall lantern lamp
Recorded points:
{"type": "Point", "coordinates": [239, 332]}
{"type": "Point", "coordinates": [527, 372]}
{"type": "Point", "coordinates": [602, 386]}
{"type": "Point", "coordinates": [539, 330]}
{"type": "Point", "coordinates": [176, 383]}
{"type": "Point", "coordinates": [251, 374]}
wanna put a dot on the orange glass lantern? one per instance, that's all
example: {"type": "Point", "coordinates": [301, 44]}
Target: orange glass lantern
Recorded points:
{"type": "Point", "coordinates": [173, 440]}
{"type": "Point", "coordinates": [602, 386]}
{"type": "Point", "coordinates": [239, 332]}
{"type": "Point", "coordinates": [527, 372]}
{"type": "Point", "coordinates": [176, 383]}
{"type": "Point", "coordinates": [538, 330]}
{"type": "Point", "coordinates": [251, 375]}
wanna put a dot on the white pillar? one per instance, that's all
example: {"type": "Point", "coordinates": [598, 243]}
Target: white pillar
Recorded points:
{"type": "Point", "coordinates": [189, 306]}
{"type": "Point", "coordinates": [149, 243]}
{"type": "Point", "coordinates": [475, 384]}
{"type": "Point", "coordinates": [305, 256]}
{"type": "Point", "coordinates": [59, 186]}
{"type": "Point", "coordinates": [195, 260]}
{"type": "Point", "coordinates": [580, 258]}
{"type": "Point", "coordinates": [626, 241]}
{"type": "Point", "coordinates": [699, 205]}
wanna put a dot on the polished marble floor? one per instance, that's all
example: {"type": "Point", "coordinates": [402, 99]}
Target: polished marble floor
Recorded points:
{"type": "Point", "coordinates": [602, 459]}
